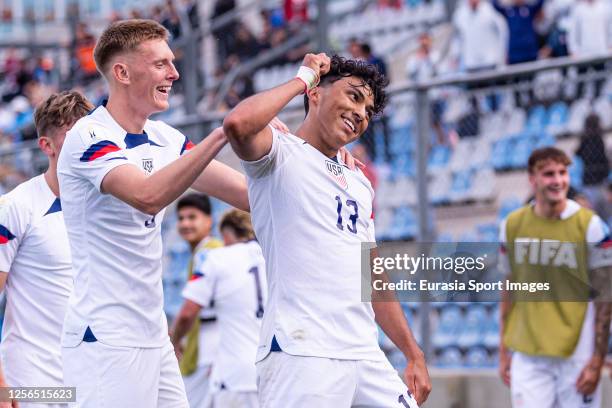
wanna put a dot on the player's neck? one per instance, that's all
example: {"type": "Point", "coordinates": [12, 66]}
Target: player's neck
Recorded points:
{"type": "Point", "coordinates": [125, 115]}
{"type": "Point", "coordinates": [551, 210]}
{"type": "Point", "coordinates": [51, 178]}
{"type": "Point", "coordinates": [311, 133]}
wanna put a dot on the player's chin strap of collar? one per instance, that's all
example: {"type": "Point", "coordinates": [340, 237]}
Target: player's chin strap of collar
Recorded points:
{"type": "Point", "coordinates": [308, 76]}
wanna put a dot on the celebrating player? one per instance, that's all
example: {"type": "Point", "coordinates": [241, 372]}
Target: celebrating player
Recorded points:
{"type": "Point", "coordinates": [35, 259]}
{"type": "Point", "coordinates": [194, 224]}
{"type": "Point", "coordinates": [559, 346]}
{"type": "Point", "coordinates": [117, 173]}
{"type": "Point", "coordinates": [233, 278]}
{"type": "Point", "coordinates": [311, 214]}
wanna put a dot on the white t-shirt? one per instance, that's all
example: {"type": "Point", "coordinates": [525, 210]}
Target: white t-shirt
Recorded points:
{"type": "Point", "coordinates": [590, 28]}
{"type": "Point", "coordinates": [34, 251]}
{"type": "Point", "coordinates": [234, 278]}
{"type": "Point", "coordinates": [483, 36]}
{"type": "Point", "coordinates": [598, 236]}
{"type": "Point", "coordinates": [311, 215]}
{"type": "Point", "coordinates": [117, 250]}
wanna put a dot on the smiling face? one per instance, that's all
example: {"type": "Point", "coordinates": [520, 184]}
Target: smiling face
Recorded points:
{"type": "Point", "coordinates": [193, 225]}
{"type": "Point", "coordinates": [343, 110]}
{"type": "Point", "coordinates": [151, 72]}
{"type": "Point", "coordinates": [550, 181]}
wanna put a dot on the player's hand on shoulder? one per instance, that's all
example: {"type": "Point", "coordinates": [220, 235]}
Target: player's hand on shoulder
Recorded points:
{"type": "Point", "coordinates": [319, 63]}
{"type": "Point", "coordinates": [350, 160]}
{"type": "Point", "coordinates": [279, 125]}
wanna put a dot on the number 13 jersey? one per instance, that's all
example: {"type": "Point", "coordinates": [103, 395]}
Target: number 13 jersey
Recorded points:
{"type": "Point", "coordinates": [311, 215]}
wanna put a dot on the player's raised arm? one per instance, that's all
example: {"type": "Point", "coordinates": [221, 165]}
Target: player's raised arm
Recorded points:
{"type": "Point", "coordinates": [150, 194]}
{"type": "Point", "coordinates": [246, 126]}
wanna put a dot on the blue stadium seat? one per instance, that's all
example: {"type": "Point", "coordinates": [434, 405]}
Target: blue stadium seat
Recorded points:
{"type": "Point", "coordinates": [488, 232]}
{"type": "Point", "coordinates": [558, 118]}
{"type": "Point", "coordinates": [449, 327]}
{"type": "Point", "coordinates": [477, 357]}
{"type": "Point", "coordinates": [543, 140]}
{"type": "Point", "coordinates": [461, 184]}
{"type": "Point", "coordinates": [472, 331]}
{"type": "Point", "coordinates": [439, 156]}
{"type": "Point", "coordinates": [507, 206]}
{"type": "Point", "coordinates": [522, 146]}
{"type": "Point", "coordinates": [450, 358]}
{"type": "Point", "coordinates": [491, 333]}
{"type": "Point", "coordinates": [576, 171]}
{"type": "Point", "coordinates": [499, 154]}
{"type": "Point", "coordinates": [537, 119]}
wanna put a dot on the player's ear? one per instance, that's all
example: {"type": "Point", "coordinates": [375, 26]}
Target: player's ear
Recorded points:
{"type": "Point", "coordinates": [44, 143]}
{"type": "Point", "coordinates": [120, 72]}
{"type": "Point", "coordinates": [314, 95]}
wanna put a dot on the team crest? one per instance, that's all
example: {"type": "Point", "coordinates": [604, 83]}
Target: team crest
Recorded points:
{"type": "Point", "coordinates": [336, 172]}
{"type": "Point", "coordinates": [147, 165]}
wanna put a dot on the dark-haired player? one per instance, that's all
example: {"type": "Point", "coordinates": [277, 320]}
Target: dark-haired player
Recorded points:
{"type": "Point", "coordinates": [311, 214]}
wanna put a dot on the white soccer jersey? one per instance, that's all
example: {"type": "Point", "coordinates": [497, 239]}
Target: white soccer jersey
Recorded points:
{"type": "Point", "coordinates": [234, 278]}
{"type": "Point", "coordinates": [117, 250]}
{"type": "Point", "coordinates": [34, 251]}
{"type": "Point", "coordinates": [311, 216]}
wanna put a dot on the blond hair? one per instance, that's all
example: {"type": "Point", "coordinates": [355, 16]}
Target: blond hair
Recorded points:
{"type": "Point", "coordinates": [240, 222]}
{"type": "Point", "coordinates": [59, 110]}
{"type": "Point", "coordinates": [125, 36]}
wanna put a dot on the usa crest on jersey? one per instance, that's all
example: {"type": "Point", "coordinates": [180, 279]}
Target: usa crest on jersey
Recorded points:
{"type": "Point", "coordinates": [336, 172]}
{"type": "Point", "coordinates": [147, 165]}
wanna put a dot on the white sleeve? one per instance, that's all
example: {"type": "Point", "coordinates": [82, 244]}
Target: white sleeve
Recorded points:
{"type": "Point", "coordinates": [14, 223]}
{"type": "Point", "coordinates": [503, 262]}
{"type": "Point", "coordinates": [93, 151]}
{"type": "Point", "coordinates": [270, 162]}
{"type": "Point", "coordinates": [201, 288]}
{"type": "Point", "coordinates": [599, 243]}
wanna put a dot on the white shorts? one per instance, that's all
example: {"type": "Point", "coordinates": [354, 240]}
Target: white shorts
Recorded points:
{"type": "Point", "coordinates": [284, 380]}
{"type": "Point", "coordinates": [546, 382]}
{"type": "Point", "coordinates": [108, 376]}
{"type": "Point", "coordinates": [232, 399]}
{"type": "Point", "coordinates": [197, 386]}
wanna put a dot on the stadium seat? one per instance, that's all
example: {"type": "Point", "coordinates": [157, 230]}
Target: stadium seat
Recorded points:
{"type": "Point", "coordinates": [450, 358]}
{"type": "Point", "coordinates": [461, 184]}
{"type": "Point", "coordinates": [558, 117]}
{"type": "Point", "coordinates": [473, 328]}
{"type": "Point", "coordinates": [483, 185]}
{"type": "Point", "coordinates": [521, 148]}
{"type": "Point", "coordinates": [507, 206]}
{"type": "Point", "coordinates": [439, 188]}
{"type": "Point", "coordinates": [449, 327]}
{"type": "Point", "coordinates": [477, 357]}
{"type": "Point", "coordinates": [500, 154]}
{"type": "Point", "coordinates": [537, 119]}
{"type": "Point", "coordinates": [576, 171]}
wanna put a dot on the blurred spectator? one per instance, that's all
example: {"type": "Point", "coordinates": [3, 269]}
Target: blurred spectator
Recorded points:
{"type": "Point", "coordinates": [378, 125]}
{"type": "Point", "coordinates": [592, 151]}
{"type": "Point", "coordinates": [245, 44]}
{"type": "Point", "coordinates": [224, 34]}
{"type": "Point", "coordinates": [392, 4]}
{"type": "Point", "coordinates": [590, 29]}
{"type": "Point", "coordinates": [556, 13]}
{"type": "Point", "coordinates": [296, 11]}
{"type": "Point", "coordinates": [171, 20]}
{"type": "Point", "coordinates": [482, 35]}
{"type": "Point", "coordinates": [190, 8]}
{"type": "Point", "coordinates": [366, 51]}
{"type": "Point", "coordinates": [354, 48]}
{"type": "Point", "coordinates": [523, 39]}
{"type": "Point", "coordinates": [84, 66]}
{"type": "Point", "coordinates": [421, 67]}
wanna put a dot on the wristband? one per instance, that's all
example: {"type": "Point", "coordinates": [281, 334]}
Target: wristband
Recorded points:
{"type": "Point", "coordinates": [308, 77]}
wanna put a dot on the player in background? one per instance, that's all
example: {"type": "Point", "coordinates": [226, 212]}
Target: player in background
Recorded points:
{"type": "Point", "coordinates": [311, 214]}
{"type": "Point", "coordinates": [558, 347]}
{"type": "Point", "coordinates": [234, 279]}
{"type": "Point", "coordinates": [117, 172]}
{"type": "Point", "coordinates": [202, 341]}
{"type": "Point", "coordinates": [35, 264]}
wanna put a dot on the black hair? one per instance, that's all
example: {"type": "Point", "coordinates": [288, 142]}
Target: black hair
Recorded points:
{"type": "Point", "coordinates": [368, 73]}
{"type": "Point", "coordinates": [196, 200]}
{"type": "Point", "coordinates": [366, 49]}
